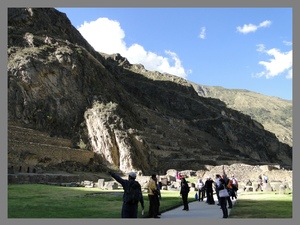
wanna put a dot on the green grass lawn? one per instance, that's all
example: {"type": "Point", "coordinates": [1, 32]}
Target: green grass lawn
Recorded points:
{"type": "Point", "coordinates": [263, 205]}
{"type": "Point", "coordinates": [46, 201]}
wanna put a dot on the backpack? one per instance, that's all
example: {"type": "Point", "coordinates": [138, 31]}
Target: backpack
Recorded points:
{"type": "Point", "coordinates": [132, 194]}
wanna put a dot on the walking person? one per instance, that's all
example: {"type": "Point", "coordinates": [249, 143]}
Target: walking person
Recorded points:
{"type": "Point", "coordinates": [201, 190]}
{"type": "Point", "coordinates": [184, 192]}
{"type": "Point", "coordinates": [260, 184]}
{"type": "Point", "coordinates": [132, 195]}
{"type": "Point", "coordinates": [152, 195]}
{"type": "Point", "coordinates": [223, 193]}
{"type": "Point", "coordinates": [209, 191]}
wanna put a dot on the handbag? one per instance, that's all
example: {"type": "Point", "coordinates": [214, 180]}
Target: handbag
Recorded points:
{"type": "Point", "coordinates": [223, 192]}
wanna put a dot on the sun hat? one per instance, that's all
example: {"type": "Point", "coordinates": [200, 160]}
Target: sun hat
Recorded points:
{"type": "Point", "coordinates": [132, 174]}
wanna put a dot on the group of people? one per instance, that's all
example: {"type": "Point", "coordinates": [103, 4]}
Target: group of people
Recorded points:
{"type": "Point", "coordinates": [225, 188]}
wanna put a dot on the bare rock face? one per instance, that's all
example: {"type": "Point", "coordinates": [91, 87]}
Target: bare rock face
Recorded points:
{"type": "Point", "coordinates": [130, 118]}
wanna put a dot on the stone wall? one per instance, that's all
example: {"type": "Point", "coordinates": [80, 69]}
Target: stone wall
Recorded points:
{"type": "Point", "coordinates": [30, 157]}
{"type": "Point", "coordinates": [32, 151]}
{"type": "Point", "coordinates": [42, 178]}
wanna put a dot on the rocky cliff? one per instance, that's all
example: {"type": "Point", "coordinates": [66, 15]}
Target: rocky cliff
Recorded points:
{"type": "Point", "coordinates": [130, 118]}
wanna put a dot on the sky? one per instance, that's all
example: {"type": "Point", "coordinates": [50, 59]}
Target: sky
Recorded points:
{"type": "Point", "coordinates": [235, 48]}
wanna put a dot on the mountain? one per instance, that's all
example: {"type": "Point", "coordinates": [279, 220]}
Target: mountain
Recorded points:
{"type": "Point", "coordinates": [72, 108]}
{"type": "Point", "coordinates": [275, 114]}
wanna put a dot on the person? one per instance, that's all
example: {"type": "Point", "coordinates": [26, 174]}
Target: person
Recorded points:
{"type": "Point", "coordinates": [265, 178]}
{"type": "Point", "coordinates": [260, 184]}
{"type": "Point", "coordinates": [223, 194]}
{"type": "Point", "coordinates": [234, 185]}
{"type": "Point", "coordinates": [230, 189]}
{"type": "Point", "coordinates": [178, 176]}
{"type": "Point", "coordinates": [226, 180]}
{"type": "Point", "coordinates": [158, 186]}
{"type": "Point", "coordinates": [152, 195]}
{"type": "Point", "coordinates": [201, 190]}
{"type": "Point", "coordinates": [129, 210]}
{"type": "Point", "coordinates": [209, 191]}
{"type": "Point", "coordinates": [184, 192]}
{"type": "Point", "coordinates": [216, 185]}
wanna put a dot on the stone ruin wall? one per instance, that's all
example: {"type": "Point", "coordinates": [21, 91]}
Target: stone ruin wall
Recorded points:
{"type": "Point", "coordinates": [31, 158]}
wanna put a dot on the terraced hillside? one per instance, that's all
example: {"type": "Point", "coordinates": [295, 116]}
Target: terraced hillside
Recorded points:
{"type": "Point", "coordinates": [32, 151]}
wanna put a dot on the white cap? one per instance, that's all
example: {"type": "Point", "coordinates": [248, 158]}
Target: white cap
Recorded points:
{"type": "Point", "coordinates": [132, 174]}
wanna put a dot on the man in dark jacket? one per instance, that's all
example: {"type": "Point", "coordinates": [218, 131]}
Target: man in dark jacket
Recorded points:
{"type": "Point", "coordinates": [209, 191]}
{"type": "Point", "coordinates": [184, 192]}
{"type": "Point", "coordinates": [129, 210]}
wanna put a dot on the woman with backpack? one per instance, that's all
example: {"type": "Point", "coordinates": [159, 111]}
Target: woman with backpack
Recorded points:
{"type": "Point", "coordinates": [130, 201]}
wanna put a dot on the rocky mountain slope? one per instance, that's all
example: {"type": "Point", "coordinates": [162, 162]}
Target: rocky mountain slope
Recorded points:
{"type": "Point", "coordinates": [275, 114]}
{"type": "Point", "coordinates": [128, 117]}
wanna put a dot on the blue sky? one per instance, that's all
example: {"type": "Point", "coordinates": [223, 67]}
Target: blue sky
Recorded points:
{"type": "Point", "coordinates": [236, 48]}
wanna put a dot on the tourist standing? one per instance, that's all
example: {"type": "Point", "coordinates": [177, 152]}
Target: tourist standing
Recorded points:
{"type": "Point", "coordinates": [184, 192]}
{"type": "Point", "coordinates": [158, 196]}
{"type": "Point", "coordinates": [223, 194]}
{"type": "Point", "coordinates": [201, 190]}
{"type": "Point", "coordinates": [129, 210]}
{"type": "Point", "coordinates": [209, 191]}
{"type": "Point", "coordinates": [226, 180]}
{"type": "Point", "coordinates": [234, 185]}
{"type": "Point", "coordinates": [152, 195]}
{"type": "Point", "coordinates": [217, 183]}
{"type": "Point", "coordinates": [265, 178]}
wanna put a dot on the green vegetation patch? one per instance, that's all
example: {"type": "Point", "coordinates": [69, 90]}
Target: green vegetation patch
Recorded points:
{"type": "Point", "coordinates": [263, 205]}
{"type": "Point", "coordinates": [46, 201]}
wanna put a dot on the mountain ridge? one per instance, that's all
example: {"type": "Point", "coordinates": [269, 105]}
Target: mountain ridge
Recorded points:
{"type": "Point", "coordinates": [129, 117]}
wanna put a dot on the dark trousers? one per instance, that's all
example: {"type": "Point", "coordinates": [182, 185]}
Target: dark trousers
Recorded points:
{"type": "Point", "coordinates": [129, 211]}
{"type": "Point", "coordinates": [158, 204]}
{"type": "Point", "coordinates": [229, 202]}
{"type": "Point", "coordinates": [218, 197]}
{"type": "Point", "coordinates": [153, 205]}
{"type": "Point", "coordinates": [185, 200]}
{"type": "Point", "coordinates": [232, 193]}
{"type": "Point", "coordinates": [223, 204]}
{"type": "Point", "coordinates": [210, 197]}
{"type": "Point", "coordinates": [201, 194]}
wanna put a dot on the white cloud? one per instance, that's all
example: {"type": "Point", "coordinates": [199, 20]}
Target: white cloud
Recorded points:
{"type": "Point", "coordinates": [280, 63]}
{"type": "Point", "coordinates": [247, 28]}
{"type": "Point", "coordinates": [202, 34]}
{"type": "Point", "coordinates": [104, 35]}
{"type": "Point", "coordinates": [289, 74]}
{"type": "Point", "coordinates": [107, 36]}
{"type": "Point", "coordinates": [287, 43]}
